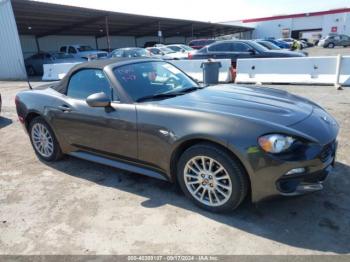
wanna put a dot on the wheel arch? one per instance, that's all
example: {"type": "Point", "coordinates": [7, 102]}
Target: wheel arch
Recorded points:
{"type": "Point", "coordinates": [184, 145]}
{"type": "Point", "coordinates": [29, 118]}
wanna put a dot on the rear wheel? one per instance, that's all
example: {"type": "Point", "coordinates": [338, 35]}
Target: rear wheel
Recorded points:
{"type": "Point", "coordinates": [211, 178]}
{"type": "Point", "coordinates": [44, 141]}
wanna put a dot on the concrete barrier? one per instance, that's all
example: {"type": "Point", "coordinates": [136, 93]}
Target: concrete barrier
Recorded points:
{"type": "Point", "coordinates": [53, 72]}
{"type": "Point", "coordinates": [193, 69]}
{"type": "Point", "coordinates": [329, 70]}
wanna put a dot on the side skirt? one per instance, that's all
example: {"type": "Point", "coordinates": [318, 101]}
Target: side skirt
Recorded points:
{"type": "Point", "coordinates": [117, 164]}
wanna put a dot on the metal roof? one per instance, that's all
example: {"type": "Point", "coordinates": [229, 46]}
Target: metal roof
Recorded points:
{"type": "Point", "coordinates": [43, 19]}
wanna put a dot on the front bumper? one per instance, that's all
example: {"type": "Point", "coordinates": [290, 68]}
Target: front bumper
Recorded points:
{"type": "Point", "coordinates": [273, 179]}
{"type": "Point", "coordinates": [295, 185]}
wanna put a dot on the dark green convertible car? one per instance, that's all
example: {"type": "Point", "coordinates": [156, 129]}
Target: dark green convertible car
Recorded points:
{"type": "Point", "coordinates": [219, 143]}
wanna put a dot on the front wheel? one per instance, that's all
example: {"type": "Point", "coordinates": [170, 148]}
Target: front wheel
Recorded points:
{"type": "Point", "coordinates": [44, 141]}
{"type": "Point", "coordinates": [331, 45]}
{"type": "Point", "coordinates": [213, 179]}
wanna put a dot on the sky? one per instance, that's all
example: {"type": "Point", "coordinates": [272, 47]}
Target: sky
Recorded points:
{"type": "Point", "coordinates": [209, 10]}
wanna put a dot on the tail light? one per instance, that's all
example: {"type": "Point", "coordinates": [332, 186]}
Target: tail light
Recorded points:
{"type": "Point", "coordinates": [17, 101]}
{"type": "Point", "coordinates": [190, 56]}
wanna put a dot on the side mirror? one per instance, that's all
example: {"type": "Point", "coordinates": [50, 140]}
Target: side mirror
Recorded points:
{"type": "Point", "coordinates": [98, 100]}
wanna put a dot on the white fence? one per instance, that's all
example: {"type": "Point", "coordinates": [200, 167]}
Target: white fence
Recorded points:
{"type": "Point", "coordinates": [191, 67]}
{"type": "Point", "coordinates": [331, 70]}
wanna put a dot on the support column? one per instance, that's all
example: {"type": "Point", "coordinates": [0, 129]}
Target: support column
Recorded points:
{"type": "Point", "coordinates": [37, 44]}
{"type": "Point", "coordinates": [107, 34]}
{"type": "Point", "coordinates": [159, 36]}
{"type": "Point", "coordinates": [96, 42]}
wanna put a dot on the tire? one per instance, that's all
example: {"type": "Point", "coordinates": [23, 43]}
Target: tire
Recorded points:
{"type": "Point", "coordinates": [30, 71]}
{"type": "Point", "coordinates": [232, 176]}
{"type": "Point", "coordinates": [46, 153]}
{"type": "Point", "coordinates": [331, 45]}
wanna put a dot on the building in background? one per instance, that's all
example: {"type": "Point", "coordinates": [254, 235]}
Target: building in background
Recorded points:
{"type": "Point", "coordinates": [305, 25]}
{"type": "Point", "coordinates": [11, 58]}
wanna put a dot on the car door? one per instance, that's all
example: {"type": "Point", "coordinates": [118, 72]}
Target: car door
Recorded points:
{"type": "Point", "coordinates": [243, 50]}
{"type": "Point", "coordinates": [222, 51]}
{"type": "Point", "coordinates": [105, 130]}
{"type": "Point", "coordinates": [37, 62]}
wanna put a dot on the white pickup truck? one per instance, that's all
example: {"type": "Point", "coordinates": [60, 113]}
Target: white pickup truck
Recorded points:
{"type": "Point", "coordinates": [83, 51]}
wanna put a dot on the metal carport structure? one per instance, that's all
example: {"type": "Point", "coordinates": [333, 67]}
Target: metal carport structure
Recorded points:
{"type": "Point", "coordinates": [44, 19]}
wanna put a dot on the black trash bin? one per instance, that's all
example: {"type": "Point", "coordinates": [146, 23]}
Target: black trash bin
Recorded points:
{"type": "Point", "coordinates": [211, 72]}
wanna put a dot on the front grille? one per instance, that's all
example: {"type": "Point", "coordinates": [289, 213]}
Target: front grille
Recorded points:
{"type": "Point", "coordinates": [101, 55]}
{"type": "Point", "coordinates": [327, 152]}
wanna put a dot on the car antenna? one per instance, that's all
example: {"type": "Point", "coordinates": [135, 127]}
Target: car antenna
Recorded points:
{"type": "Point", "coordinates": [27, 77]}
{"type": "Point", "coordinates": [30, 86]}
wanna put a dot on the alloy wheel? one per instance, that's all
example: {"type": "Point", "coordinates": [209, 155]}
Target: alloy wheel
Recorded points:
{"type": "Point", "coordinates": [42, 140]}
{"type": "Point", "coordinates": [207, 181]}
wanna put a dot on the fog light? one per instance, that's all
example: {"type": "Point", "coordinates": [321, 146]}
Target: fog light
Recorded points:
{"type": "Point", "coordinates": [294, 171]}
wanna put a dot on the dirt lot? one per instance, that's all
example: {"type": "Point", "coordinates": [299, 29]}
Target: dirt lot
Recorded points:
{"type": "Point", "coordinates": [77, 207]}
{"type": "Point", "coordinates": [320, 51]}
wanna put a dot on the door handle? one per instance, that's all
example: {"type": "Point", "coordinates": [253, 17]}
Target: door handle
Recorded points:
{"type": "Point", "coordinates": [65, 108]}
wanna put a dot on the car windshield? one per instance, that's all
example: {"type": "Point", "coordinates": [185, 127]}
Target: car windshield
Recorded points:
{"type": "Point", "coordinates": [269, 45]}
{"type": "Point", "coordinates": [85, 48]}
{"type": "Point", "coordinates": [136, 53]}
{"type": "Point", "coordinates": [187, 48]}
{"type": "Point", "coordinates": [150, 79]}
{"type": "Point", "coordinates": [166, 50]}
{"type": "Point", "coordinates": [62, 55]}
{"type": "Point", "coordinates": [257, 46]}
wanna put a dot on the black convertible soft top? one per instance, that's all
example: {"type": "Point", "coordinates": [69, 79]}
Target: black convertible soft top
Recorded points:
{"type": "Point", "coordinates": [96, 64]}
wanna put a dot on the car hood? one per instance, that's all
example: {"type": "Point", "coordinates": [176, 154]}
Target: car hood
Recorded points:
{"type": "Point", "coordinates": [267, 104]}
{"type": "Point", "coordinates": [92, 52]}
{"type": "Point", "coordinates": [284, 53]}
{"type": "Point", "coordinates": [68, 60]}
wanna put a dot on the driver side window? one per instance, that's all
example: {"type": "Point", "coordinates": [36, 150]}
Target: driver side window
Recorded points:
{"type": "Point", "coordinates": [87, 82]}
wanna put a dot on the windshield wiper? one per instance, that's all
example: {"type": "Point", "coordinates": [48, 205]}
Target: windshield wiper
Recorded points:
{"type": "Point", "coordinates": [170, 94]}
{"type": "Point", "coordinates": [165, 95]}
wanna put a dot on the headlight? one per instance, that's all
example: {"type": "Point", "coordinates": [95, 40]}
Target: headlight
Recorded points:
{"type": "Point", "coordinates": [275, 143]}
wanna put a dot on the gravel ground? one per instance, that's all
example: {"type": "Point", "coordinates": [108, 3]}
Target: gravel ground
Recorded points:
{"type": "Point", "coordinates": [320, 51]}
{"type": "Point", "coordinates": [77, 207]}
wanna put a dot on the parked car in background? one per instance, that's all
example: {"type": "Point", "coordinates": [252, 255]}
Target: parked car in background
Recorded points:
{"type": "Point", "coordinates": [34, 64]}
{"type": "Point", "coordinates": [181, 48]}
{"type": "Point", "coordinates": [220, 143]}
{"type": "Point", "coordinates": [331, 41]}
{"type": "Point", "coordinates": [200, 43]}
{"type": "Point", "coordinates": [307, 42]}
{"type": "Point", "coordinates": [271, 46]}
{"type": "Point", "coordinates": [238, 49]}
{"type": "Point", "coordinates": [83, 51]}
{"type": "Point", "coordinates": [130, 52]}
{"type": "Point", "coordinates": [164, 52]}
{"type": "Point", "coordinates": [281, 44]}
{"type": "Point", "coordinates": [291, 40]}
{"type": "Point", "coordinates": [268, 45]}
